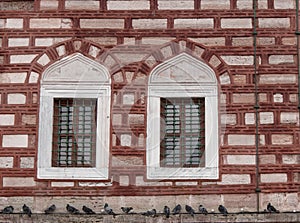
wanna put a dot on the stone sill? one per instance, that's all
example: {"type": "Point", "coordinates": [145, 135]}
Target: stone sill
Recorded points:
{"type": "Point", "coordinates": [138, 218]}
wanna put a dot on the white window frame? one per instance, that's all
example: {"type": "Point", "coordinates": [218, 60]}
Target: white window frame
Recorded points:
{"type": "Point", "coordinates": [165, 83]}
{"type": "Point", "coordinates": [60, 81]}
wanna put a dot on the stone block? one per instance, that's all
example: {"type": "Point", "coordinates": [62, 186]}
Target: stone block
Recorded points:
{"type": "Point", "coordinates": [282, 139]}
{"type": "Point", "coordinates": [78, 5]}
{"type": "Point", "coordinates": [18, 182]}
{"type": "Point", "coordinates": [281, 59]}
{"type": "Point", "coordinates": [49, 4]}
{"type": "Point", "coordinates": [7, 119]}
{"type": "Point", "coordinates": [194, 23]}
{"type": "Point", "coordinates": [18, 141]}
{"type": "Point", "coordinates": [242, 41]}
{"type": "Point", "coordinates": [43, 60]}
{"type": "Point", "coordinates": [175, 4]}
{"type": "Point", "coordinates": [289, 118]}
{"type": "Point", "coordinates": [286, 4]}
{"type": "Point", "coordinates": [139, 181]}
{"type": "Point", "coordinates": [149, 23]}
{"type": "Point", "coordinates": [136, 119]}
{"type": "Point", "coordinates": [243, 98]}
{"type": "Point", "coordinates": [50, 23]}
{"type": "Point", "coordinates": [262, 4]}
{"type": "Point", "coordinates": [228, 119]}
{"type": "Point", "coordinates": [28, 119]}
{"type": "Point", "coordinates": [6, 162]}
{"type": "Point", "coordinates": [18, 42]}
{"type": "Point", "coordinates": [266, 118]}
{"type": "Point", "coordinates": [26, 58]}
{"type": "Point", "coordinates": [124, 180]}
{"type": "Point", "coordinates": [14, 23]}
{"type": "Point", "coordinates": [290, 159]}
{"type": "Point", "coordinates": [215, 4]}
{"type": "Point", "coordinates": [125, 140]}
{"type": "Point", "coordinates": [117, 119]}
{"type": "Point", "coordinates": [274, 23]}
{"type": "Point", "coordinates": [228, 179]}
{"type": "Point", "coordinates": [249, 118]}
{"type": "Point", "coordinates": [13, 78]}
{"type": "Point", "coordinates": [267, 159]}
{"type": "Point", "coordinates": [62, 184]}
{"type": "Point", "coordinates": [33, 78]}
{"type": "Point", "coordinates": [103, 40]}
{"type": "Point", "coordinates": [239, 159]}
{"type": "Point", "coordinates": [210, 41]}
{"type": "Point", "coordinates": [16, 98]}
{"type": "Point", "coordinates": [265, 41]}
{"type": "Point", "coordinates": [244, 4]}
{"type": "Point", "coordinates": [277, 79]}
{"type": "Point", "coordinates": [44, 41]}
{"type": "Point", "coordinates": [278, 98]}
{"type": "Point", "coordinates": [291, 41]}
{"type": "Point", "coordinates": [27, 162]}
{"type": "Point", "coordinates": [240, 79]}
{"type": "Point", "coordinates": [246, 140]}
{"type": "Point", "coordinates": [273, 177]}
{"type": "Point", "coordinates": [238, 60]}
{"type": "Point", "coordinates": [214, 61]}
{"type": "Point", "coordinates": [236, 23]}
{"type": "Point", "coordinates": [128, 4]}
{"type": "Point", "coordinates": [224, 78]}
{"type": "Point", "coordinates": [102, 23]}
{"type": "Point", "coordinates": [128, 99]}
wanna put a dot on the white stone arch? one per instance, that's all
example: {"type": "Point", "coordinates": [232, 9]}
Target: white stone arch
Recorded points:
{"type": "Point", "coordinates": [75, 76]}
{"type": "Point", "coordinates": [182, 76]}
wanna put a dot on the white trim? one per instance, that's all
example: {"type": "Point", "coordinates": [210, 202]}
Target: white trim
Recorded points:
{"type": "Point", "coordinates": [62, 89]}
{"type": "Point", "coordinates": [159, 86]}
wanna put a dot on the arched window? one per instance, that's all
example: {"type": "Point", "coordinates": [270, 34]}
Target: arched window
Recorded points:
{"type": "Point", "coordinates": [182, 120]}
{"type": "Point", "coordinates": [74, 120]}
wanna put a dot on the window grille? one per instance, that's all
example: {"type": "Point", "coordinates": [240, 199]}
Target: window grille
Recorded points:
{"type": "Point", "coordinates": [182, 132]}
{"type": "Point", "coordinates": [74, 132]}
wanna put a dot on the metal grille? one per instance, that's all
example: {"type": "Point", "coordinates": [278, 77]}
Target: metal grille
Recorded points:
{"type": "Point", "coordinates": [182, 131]}
{"type": "Point", "coordinates": [74, 132]}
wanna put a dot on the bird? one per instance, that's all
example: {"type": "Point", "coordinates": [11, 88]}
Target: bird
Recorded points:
{"type": "Point", "coordinates": [108, 210]}
{"type": "Point", "coordinates": [167, 211]}
{"type": "Point", "coordinates": [7, 210]}
{"type": "Point", "coordinates": [176, 209]}
{"type": "Point", "coordinates": [150, 213]}
{"type": "Point", "coordinates": [190, 210]}
{"type": "Point", "coordinates": [222, 210]}
{"type": "Point", "coordinates": [87, 210]}
{"type": "Point", "coordinates": [26, 210]}
{"type": "Point", "coordinates": [50, 209]}
{"type": "Point", "coordinates": [72, 210]}
{"type": "Point", "coordinates": [271, 208]}
{"type": "Point", "coordinates": [126, 210]}
{"type": "Point", "coordinates": [202, 209]}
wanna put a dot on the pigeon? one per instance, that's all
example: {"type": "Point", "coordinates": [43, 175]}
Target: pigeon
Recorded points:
{"type": "Point", "coordinates": [167, 211]}
{"type": "Point", "coordinates": [7, 210]}
{"type": "Point", "coordinates": [108, 210]}
{"type": "Point", "coordinates": [177, 209]}
{"type": "Point", "coordinates": [271, 208]}
{"type": "Point", "coordinates": [190, 210]}
{"type": "Point", "coordinates": [126, 210]}
{"type": "Point", "coordinates": [202, 209]}
{"type": "Point", "coordinates": [222, 210]}
{"type": "Point", "coordinates": [50, 209]}
{"type": "Point", "coordinates": [87, 210]}
{"type": "Point", "coordinates": [26, 210]}
{"type": "Point", "coordinates": [72, 210]}
{"type": "Point", "coordinates": [150, 213]}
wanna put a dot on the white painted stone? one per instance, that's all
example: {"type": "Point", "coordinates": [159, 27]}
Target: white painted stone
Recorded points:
{"type": "Point", "coordinates": [102, 23]}
{"type": "Point", "coordinates": [7, 119]}
{"type": "Point", "coordinates": [286, 4]}
{"type": "Point", "coordinates": [239, 159]}
{"type": "Point", "coordinates": [18, 182]}
{"type": "Point", "coordinates": [15, 141]}
{"type": "Point", "coordinates": [61, 50]}
{"type": "Point", "coordinates": [43, 60]}
{"type": "Point", "coordinates": [274, 23]}
{"type": "Point", "coordinates": [278, 98]}
{"type": "Point", "coordinates": [215, 4]}
{"type": "Point", "coordinates": [194, 23]}
{"type": "Point", "coordinates": [16, 98]}
{"type": "Point", "coordinates": [128, 5]}
{"type": "Point", "coordinates": [94, 184]}
{"type": "Point", "coordinates": [13, 77]}
{"type": "Point", "coordinates": [246, 140]}
{"type": "Point", "coordinates": [273, 178]}
{"type": "Point", "coordinates": [125, 140]}
{"type": "Point", "coordinates": [175, 4]}
{"type": "Point", "coordinates": [281, 59]}
{"type": "Point", "coordinates": [236, 23]}
{"type": "Point", "coordinates": [249, 118]}
{"type": "Point", "coordinates": [94, 51]}
{"type": "Point", "coordinates": [238, 60]}
{"type": "Point", "coordinates": [282, 139]}
{"type": "Point", "coordinates": [289, 118]}
{"type": "Point", "coordinates": [6, 162]}
{"type": "Point", "coordinates": [187, 183]}
{"type": "Point", "coordinates": [14, 23]}
{"type": "Point", "coordinates": [18, 42]}
{"type": "Point", "coordinates": [266, 118]}
{"type": "Point", "coordinates": [149, 23]}
{"type": "Point", "coordinates": [26, 58]}
{"type": "Point", "coordinates": [228, 179]}
{"type": "Point", "coordinates": [62, 184]}
{"type": "Point", "coordinates": [27, 162]}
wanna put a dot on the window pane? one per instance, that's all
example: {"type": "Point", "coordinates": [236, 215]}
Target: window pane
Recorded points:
{"type": "Point", "coordinates": [182, 128]}
{"type": "Point", "coordinates": [74, 132]}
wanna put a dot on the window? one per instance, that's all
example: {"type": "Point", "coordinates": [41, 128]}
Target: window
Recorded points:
{"type": "Point", "coordinates": [182, 120]}
{"type": "Point", "coordinates": [74, 120]}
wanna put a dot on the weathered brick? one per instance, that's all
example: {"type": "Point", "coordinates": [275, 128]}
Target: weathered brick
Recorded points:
{"type": "Point", "coordinates": [236, 23]}
{"type": "Point", "coordinates": [228, 179]}
{"type": "Point", "coordinates": [26, 58]}
{"type": "Point", "coordinates": [15, 141]}
{"type": "Point", "coordinates": [215, 4]}
{"type": "Point", "coordinates": [243, 98]}
{"type": "Point", "coordinates": [210, 41]}
{"type": "Point", "coordinates": [18, 182]}
{"type": "Point", "coordinates": [282, 139]}
{"type": "Point", "coordinates": [239, 159]}
{"type": "Point", "coordinates": [175, 4]}
{"type": "Point", "coordinates": [7, 119]}
{"type": "Point", "coordinates": [194, 23]}
{"type": "Point", "coordinates": [102, 23]}
{"type": "Point", "coordinates": [128, 4]}
{"type": "Point", "coordinates": [235, 140]}
{"type": "Point", "coordinates": [287, 4]}
{"type": "Point", "coordinates": [50, 23]}
{"type": "Point", "coordinates": [273, 178]}
{"type": "Point", "coordinates": [277, 78]}
{"type": "Point", "coordinates": [289, 118]}
{"type": "Point", "coordinates": [149, 23]}
{"type": "Point", "coordinates": [12, 78]}
{"type": "Point", "coordinates": [18, 42]}
{"type": "Point", "coordinates": [274, 23]}
{"type": "Point", "coordinates": [238, 60]}
{"type": "Point", "coordinates": [78, 5]}
{"type": "Point", "coordinates": [281, 59]}
{"type": "Point", "coordinates": [16, 98]}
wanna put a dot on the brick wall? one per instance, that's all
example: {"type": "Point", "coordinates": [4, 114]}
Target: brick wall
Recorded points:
{"type": "Point", "coordinates": [130, 38]}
